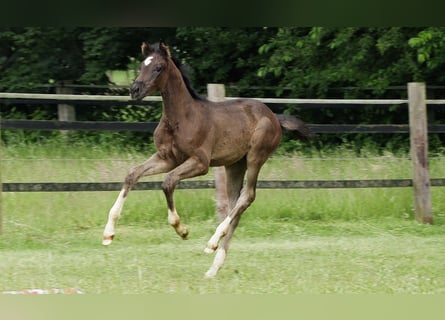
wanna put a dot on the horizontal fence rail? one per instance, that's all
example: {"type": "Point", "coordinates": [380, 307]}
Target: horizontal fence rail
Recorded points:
{"type": "Point", "coordinates": [75, 98]}
{"type": "Point", "coordinates": [77, 125]}
{"type": "Point", "coordinates": [35, 98]}
{"type": "Point", "coordinates": [43, 98]}
{"type": "Point", "coordinates": [210, 184]}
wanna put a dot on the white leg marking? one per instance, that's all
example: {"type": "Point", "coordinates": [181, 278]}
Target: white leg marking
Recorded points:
{"type": "Point", "coordinates": [113, 216]}
{"type": "Point", "coordinates": [217, 263]}
{"type": "Point", "coordinates": [174, 221]}
{"type": "Point", "coordinates": [221, 230]}
{"type": "Point", "coordinates": [173, 217]}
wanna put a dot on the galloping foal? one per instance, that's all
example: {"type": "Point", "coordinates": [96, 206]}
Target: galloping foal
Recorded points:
{"type": "Point", "coordinates": [194, 134]}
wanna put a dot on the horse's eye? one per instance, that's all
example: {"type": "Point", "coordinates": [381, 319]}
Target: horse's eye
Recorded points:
{"type": "Point", "coordinates": [158, 68]}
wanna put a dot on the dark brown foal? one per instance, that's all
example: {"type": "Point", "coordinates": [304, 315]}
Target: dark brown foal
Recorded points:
{"type": "Point", "coordinates": [194, 134]}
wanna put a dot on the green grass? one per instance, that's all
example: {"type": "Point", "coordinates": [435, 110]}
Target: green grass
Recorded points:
{"type": "Point", "coordinates": [339, 258]}
{"type": "Point", "coordinates": [289, 241]}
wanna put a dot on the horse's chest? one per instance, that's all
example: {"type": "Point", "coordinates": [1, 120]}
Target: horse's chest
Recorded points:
{"type": "Point", "coordinates": [178, 140]}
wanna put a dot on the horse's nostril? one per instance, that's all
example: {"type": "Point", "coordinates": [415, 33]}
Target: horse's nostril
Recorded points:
{"type": "Point", "coordinates": [135, 89]}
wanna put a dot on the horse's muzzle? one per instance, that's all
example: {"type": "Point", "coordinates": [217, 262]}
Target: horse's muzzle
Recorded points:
{"type": "Point", "coordinates": [138, 90]}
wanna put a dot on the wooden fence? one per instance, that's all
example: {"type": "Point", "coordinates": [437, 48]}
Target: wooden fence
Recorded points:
{"type": "Point", "coordinates": [417, 128]}
{"type": "Point", "coordinates": [64, 99]}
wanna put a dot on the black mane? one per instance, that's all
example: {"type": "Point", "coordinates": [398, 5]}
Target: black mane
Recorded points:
{"type": "Point", "coordinates": [192, 91]}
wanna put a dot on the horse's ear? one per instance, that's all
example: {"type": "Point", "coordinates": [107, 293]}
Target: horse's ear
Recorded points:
{"type": "Point", "coordinates": [164, 48]}
{"type": "Point", "coordinates": [145, 49]}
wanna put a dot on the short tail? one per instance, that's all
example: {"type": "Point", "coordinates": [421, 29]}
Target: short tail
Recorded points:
{"type": "Point", "coordinates": [295, 126]}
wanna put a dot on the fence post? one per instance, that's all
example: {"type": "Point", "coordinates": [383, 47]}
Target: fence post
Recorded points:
{"type": "Point", "coordinates": [1, 204]}
{"type": "Point", "coordinates": [419, 151]}
{"type": "Point", "coordinates": [1, 196]}
{"type": "Point", "coordinates": [216, 93]}
{"type": "Point", "coordinates": [65, 112]}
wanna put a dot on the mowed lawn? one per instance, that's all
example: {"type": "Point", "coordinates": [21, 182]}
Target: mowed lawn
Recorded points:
{"type": "Point", "coordinates": [144, 260]}
{"type": "Point", "coordinates": [289, 241]}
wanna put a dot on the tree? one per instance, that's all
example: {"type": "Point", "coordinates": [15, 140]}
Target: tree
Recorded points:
{"type": "Point", "coordinates": [429, 44]}
{"type": "Point", "coordinates": [308, 62]}
{"type": "Point", "coordinates": [322, 62]}
{"type": "Point", "coordinates": [30, 56]}
{"type": "Point", "coordinates": [305, 62]}
{"type": "Point", "coordinates": [45, 55]}
{"type": "Point", "coordinates": [225, 55]}
{"type": "Point", "coordinates": [38, 59]}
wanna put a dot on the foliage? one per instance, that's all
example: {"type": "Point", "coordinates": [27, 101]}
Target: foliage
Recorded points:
{"type": "Point", "coordinates": [298, 61]}
{"type": "Point", "coordinates": [364, 62]}
{"type": "Point", "coordinates": [231, 56]}
{"type": "Point", "coordinates": [303, 62]}
{"type": "Point", "coordinates": [430, 46]}
{"type": "Point", "coordinates": [46, 55]}
{"type": "Point", "coordinates": [310, 62]}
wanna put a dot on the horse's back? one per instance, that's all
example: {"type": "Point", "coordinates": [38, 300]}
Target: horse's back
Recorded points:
{"type": "Point", "coordinates": [248, 111]}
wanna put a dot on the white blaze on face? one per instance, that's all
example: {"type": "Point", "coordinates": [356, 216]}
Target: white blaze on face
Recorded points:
{"type": "Point", "coordinates": [148, 60]}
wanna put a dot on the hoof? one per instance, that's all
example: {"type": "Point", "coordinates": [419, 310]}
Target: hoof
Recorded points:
{"type": "Point", "coordinates": [183, 233]}
{"type": "Point", "coordinates": [209, 250]}
{"type": "Point", "coordinates": [212, 245]}
{"type": "Point", "coordinates": [107, 240]}
{"type": "Point", "coordinates": [210, 274]}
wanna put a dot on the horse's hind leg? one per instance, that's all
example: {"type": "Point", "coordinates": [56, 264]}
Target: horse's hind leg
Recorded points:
{"type": "Point", "coordinates": [221, 196]}
{"type": "Point", "coordinates": [152, 166]}
{"type": "Point", "coordinates": [263, 143]}
{"type": "Point", "coordinates": [235, 179]}
{"type": "Point", "coordinates": [221, 252]}
{"type": "Point", "coordinates": [245, 199]}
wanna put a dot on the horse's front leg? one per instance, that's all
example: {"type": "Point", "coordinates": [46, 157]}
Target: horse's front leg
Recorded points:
{"type": "Point", "coordinates": [152, 166]}
{"type": "Point", "coordinates": [192, 167]}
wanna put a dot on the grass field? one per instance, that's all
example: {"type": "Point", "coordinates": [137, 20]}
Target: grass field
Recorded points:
{"type": "Point", "coordinates": [289, 241]}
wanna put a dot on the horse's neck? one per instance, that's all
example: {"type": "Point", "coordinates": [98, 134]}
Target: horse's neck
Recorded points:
{"type": "Point", "coordinates": [177, 99]}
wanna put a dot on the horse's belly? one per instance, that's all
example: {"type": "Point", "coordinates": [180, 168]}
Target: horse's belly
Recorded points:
{"type": "Point", "coordinates": [227, 154]}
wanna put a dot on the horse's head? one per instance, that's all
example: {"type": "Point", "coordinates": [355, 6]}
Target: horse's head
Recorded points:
{"type": "Point", "coordinates": [151, 75]}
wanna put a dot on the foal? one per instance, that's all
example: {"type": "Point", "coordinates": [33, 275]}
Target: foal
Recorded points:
{"type": "Point", "coordinates": [194, 134]}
